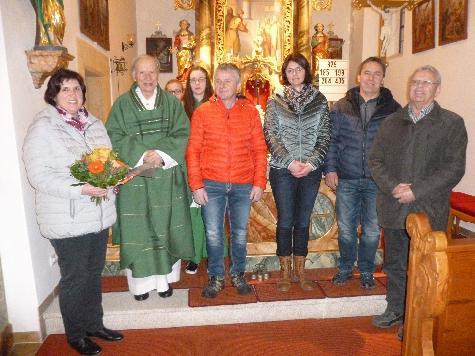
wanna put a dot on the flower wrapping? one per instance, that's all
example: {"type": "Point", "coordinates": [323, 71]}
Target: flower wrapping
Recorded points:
{"type": "Point", "coordinates": [100, 168]}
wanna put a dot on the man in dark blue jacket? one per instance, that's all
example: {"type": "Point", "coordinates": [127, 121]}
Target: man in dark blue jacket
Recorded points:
{"type": "Point", "coordinates": [355, 121]}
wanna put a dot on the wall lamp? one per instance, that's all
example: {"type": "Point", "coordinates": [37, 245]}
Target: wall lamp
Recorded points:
{"type": "Point", "coordinates": [129, 42]}
{"type": "Point", "coordinates": [118, 65]}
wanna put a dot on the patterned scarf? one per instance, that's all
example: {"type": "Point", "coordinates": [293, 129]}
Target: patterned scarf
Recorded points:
{"type": "Point", "coordinates": [298, 99]}
{"type": "Point", "coordinates": [79, 121]}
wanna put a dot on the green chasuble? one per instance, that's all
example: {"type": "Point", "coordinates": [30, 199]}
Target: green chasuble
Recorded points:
{"type": "Point", "coordinates": [154, 225]}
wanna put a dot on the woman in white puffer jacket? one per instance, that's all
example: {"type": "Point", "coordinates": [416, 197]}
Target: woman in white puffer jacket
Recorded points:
{"type": "Point", "coordinates": [76, 227]}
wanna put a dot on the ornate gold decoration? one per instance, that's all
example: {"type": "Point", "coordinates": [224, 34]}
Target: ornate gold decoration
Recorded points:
{"type": "Point", "coordinates": [427, 284]}
{"type": "Point", "coordinates": [287, 27]}
{"type": "Point", "coordinates": [219, 13]}
{"type": "Point", "coordinates": [303, 40]}
{"type": "Point", "coordinates": [184, 4]}
{"type": "Point", "coordinates": [410, 4]}
{"type": "Point", "coordinates": [42, 63]}
{"type": "Point", "coordinates": [322, 5]}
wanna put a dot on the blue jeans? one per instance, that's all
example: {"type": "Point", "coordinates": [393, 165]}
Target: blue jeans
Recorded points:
{"type": "Point", "coordinates": [233, 199]}
{"type": "Point", "coordinates": [355, 204]}
{"type": "Point", "coordinates": [294, 199]}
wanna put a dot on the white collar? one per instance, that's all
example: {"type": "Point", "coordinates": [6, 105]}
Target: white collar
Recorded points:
{"type": "Point", "coordinates": [148, 103]}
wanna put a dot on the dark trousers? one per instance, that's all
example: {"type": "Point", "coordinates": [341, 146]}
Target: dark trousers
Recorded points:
{"type": "Point", "coordinates": [294, 199]}
{"type": "Point", "coordinates": [396, 252]}
{"type": "Point", "coordinates": [81, 261]}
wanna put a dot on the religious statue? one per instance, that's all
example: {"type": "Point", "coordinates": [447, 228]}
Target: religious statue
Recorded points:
{"type": "Point", "coordinates": [50, 22]}
{"type": "Point", "coordinates": [184, 48]}
{"type": "Point", "coordinates": [386, 29]}
{"type": "Point", "coordinates": [234, 24]}
{"type": "Point", "coordinates": [319, 45]}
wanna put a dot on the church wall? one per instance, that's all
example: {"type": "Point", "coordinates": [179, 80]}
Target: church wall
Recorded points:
{"type": "Point", "coordinates": [455, 63]}
{"type": "Point", "coordinates": [148, 13]}
{"type": "Point", "coordinates": [27, 274]}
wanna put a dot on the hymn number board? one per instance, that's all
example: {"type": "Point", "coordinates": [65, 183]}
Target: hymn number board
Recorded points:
{"type": "Point", "coordinates": [333, 78]}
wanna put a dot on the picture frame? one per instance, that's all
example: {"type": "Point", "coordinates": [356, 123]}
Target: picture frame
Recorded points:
{"type": "Point", "coordinates": [453, 21]}
{"type": "Point", "coordinates": [94, 21]}
{"type": "Point", "coordinates": [159, 47]}
{"type": "Point", "coordinates": [265, 27]}
{"type": "Point", "coordinates": [423, 24]}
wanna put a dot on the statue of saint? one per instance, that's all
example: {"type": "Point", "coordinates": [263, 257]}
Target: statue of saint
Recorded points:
{"type": "Point", "coordinates": [386, 30]}
{"type": "Point", "coordinates": [234, 24]}
{"type": "Point", "coordinates": [50, 22]}
{"type": "Point", "coordinates": [319, 45]}
{"type": "Point", "coordinates": [184, 48]}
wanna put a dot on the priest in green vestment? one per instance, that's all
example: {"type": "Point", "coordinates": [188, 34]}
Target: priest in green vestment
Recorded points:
{"type": "Point", "coordinates": [149, 126]}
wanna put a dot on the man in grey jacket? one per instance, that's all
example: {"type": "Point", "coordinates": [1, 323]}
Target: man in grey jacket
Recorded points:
{"type": "Point", "coordinates": [355, 120]}
{"type": "Point", "coordinates": [417, 157]}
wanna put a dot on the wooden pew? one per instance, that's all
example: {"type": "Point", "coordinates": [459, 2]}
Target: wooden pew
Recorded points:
{"type": "Point", "coordinates": [440, 303]}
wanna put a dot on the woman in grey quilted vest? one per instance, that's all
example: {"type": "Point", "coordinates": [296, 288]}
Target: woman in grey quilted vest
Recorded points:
{"type": "Point", "coordinates": [297, 132]}
{"type": "Point", "coordinates": [76, 227]}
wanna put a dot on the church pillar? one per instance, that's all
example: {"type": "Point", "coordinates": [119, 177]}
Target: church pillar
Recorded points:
{"type": "Point", "coordinates": [203, 29]}
{"type": "Point", "coordinates": [303, 14]}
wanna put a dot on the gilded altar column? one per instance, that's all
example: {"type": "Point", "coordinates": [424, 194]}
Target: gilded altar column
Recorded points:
{"type": "Point", "coordinates": [303, 39]}
{"type": "Point", "coordinates": [203, 29]}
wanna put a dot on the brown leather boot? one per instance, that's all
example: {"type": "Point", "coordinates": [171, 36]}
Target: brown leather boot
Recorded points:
{"type": "Point", "coordinates": [299, 271]}
{"type": "Point", "coordinates": [283, 284]}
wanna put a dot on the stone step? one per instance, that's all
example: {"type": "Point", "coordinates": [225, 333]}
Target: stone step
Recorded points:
{"type": "Point", "coordinates": [122, 312]}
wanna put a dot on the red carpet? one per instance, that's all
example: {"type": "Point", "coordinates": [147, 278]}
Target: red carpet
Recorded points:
{"type": "Point", "coordinates": [332, 337]}
{"type": "Point", "coordinates": [264, 291]}
{"type": "Point", "coordinates": [269, 293]}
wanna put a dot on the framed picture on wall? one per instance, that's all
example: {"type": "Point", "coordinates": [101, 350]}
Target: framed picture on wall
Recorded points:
{"type": "Point", "coordinates": [423, 33]}
{"type": "Point", "coordinates": [94, 21]}
{"type": "Point", "coordinates": [452, 20]}
{"type": "Point", "coordinates": [159, 47]}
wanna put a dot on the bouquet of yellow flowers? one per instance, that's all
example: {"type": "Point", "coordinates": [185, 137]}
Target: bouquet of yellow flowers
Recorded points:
{"type": "Point", "coordinates": [100, 168]}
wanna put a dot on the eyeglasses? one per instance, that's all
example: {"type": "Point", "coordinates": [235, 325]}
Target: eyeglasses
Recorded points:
{"type": "Point", "coordinates": [174, 92]}
{"type": "Point", "coordinates": [198, 80]}
{"type": "Point", "coordinates": [422, 83]}
{"type": "Point", "coordinates": [225, 82]}
{"type": "Point", "coordinates": [294, 70]}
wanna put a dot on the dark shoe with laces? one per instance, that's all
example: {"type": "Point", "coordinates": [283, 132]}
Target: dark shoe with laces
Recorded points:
{"type": "Point", "coordinates": [387, 319]}
{"type": "Point", "coordinates": [167, 293]}
{"type": "Point", "coordinates": [141, 297]}
{"type": "Point", "coordinates": [85, 346]}
{"type": "Point", "coordinates": [191, 268]}
{"type": "Point", "coordinates": [239, 282]}
{"type": "Point", "coordinates": [367, 281]}
{"type": "Point", "coordinates": [215, 285]}
{"type": "Point", "coordinates": [106, 334]}
{"type": "Point", "coordinates": [341, 278]}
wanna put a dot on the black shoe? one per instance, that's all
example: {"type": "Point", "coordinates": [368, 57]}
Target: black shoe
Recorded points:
{"type": "Point", "coordinates": [106, 334]}
{"type": "Point", "coordinates": [141, 297]}
{"type": "Point", "coordinates": [167, 293]}
{"type": "Point", "coordinates": [85, 346]}
{"type": "Point", "coordinates": [191, 268]}
{"type": "Point", "coordinates": [367, 281]}
{"type": "Point", "coordinates": [239, 282]}
{"type": "Point", "coordinates": [341, 277]}
{"type": "Point", "coordinates": [215, 285]}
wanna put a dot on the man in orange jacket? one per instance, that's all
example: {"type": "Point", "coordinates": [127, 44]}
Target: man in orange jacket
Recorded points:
{"type": "Point", "coordinates": [226, 161]}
